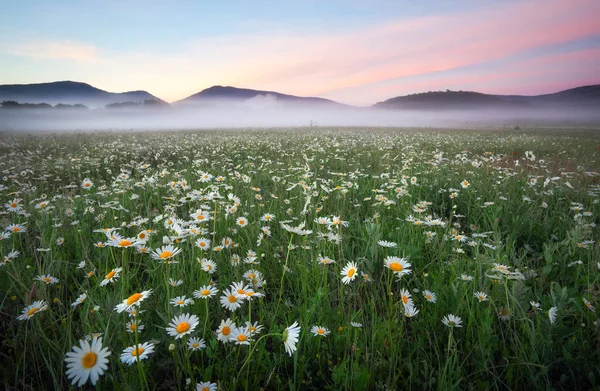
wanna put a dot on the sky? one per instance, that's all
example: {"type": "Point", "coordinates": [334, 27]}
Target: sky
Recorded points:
{"type": "Point", "coordinates": [355, 52]}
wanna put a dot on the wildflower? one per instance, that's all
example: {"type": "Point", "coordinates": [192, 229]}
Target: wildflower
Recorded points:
{"type": "Point", "coordinates": [429, 296]}
{"type": "Point", "coordinates": [119, 241]}
{"type": "Point", "coordinates": [349, 272]}
{"type": "Point", "coordinates": [231, 299]}
{"type": "Point", "coordinates": [405, 297]}
{"type": "Point", "coordinates": [465, 184]}
{"type": "Point", "coordinates": [132, 326]}
{"type": "Point", "coordinates": [410, 311]}
{"type": "Point", "coordinates": [133, 300]}
{"type": "Point", "coordinates": [47, 279]}
{"type": "Point", "coordinates": [325, 260]}
{"type": "Point", "coordinates": [87, 361]}
{"type": "Point", "coordinates": [319, 330]}
{"type": "Point", "coordinates": [504, 313]}
{"type": "Point", "coordinates": [175, 283]}
{"type": "Point", "coordinates": [208, 266]}
{"type": "Point", "coordinates": [552, 314]}
{"type": "Point", "coordinates": [241, 221]}
{"type": "Point", "coordinates": [205, 292]}
{"type": "Point", "coordinates": [387, 244]}
{"type": "Point", "coordinates": [165, 253]}
{"type": "Point", "coordinates": [452, 321]}
{"type": "Point", "coordinates": [397, 265]}
{"type": "Point", "coordinates": [224, 330]}
{"type": "Point", "coordinates": [79, 300]}
{"type": "Point", "coordinates": [206, 386]}
{"type": "Point", "coordinates": [290, 338]}
{"type": "Point", "coordinates": [203, 243]}
{"type": "Point", "coordinates": [481, 296]}
{"type": "Point", "coordinates": [16, 228]}
{"type": "Point", "coordinates": [112, 276]}
{"type": "Point", "coordinates": [588, 305]}
{"type": "Point", "coordinates": [135, 353]}
{"type": "Point", "coordinates": [181, 301]}
{"type": "Point", "coordinates": [195, 344]}
{"type": "Point", "coordinates": [356, 324]}
{"type": "Point", "coordinates": [182, 325]}
{"type": "Point", "coordinates": [87, 184]}
{"type": "Point", "coordinates": [241, 336]}
{"type": "Point", "coordinates": [32, 309]}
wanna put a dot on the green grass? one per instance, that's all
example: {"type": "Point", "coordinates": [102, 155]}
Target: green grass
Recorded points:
{"type": "Point", "coordinates": [547, 232]}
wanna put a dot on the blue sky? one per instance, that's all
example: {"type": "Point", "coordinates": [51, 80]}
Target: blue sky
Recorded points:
{"type": "Point", "coordinates": [353, 51]}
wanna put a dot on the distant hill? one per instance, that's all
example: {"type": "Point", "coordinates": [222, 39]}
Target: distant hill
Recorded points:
{"type": "Point", "coordinates": [585, 97]}
{"type": "Point", "coordinates": [69, 92]}
{"type": "Point", "coordinates": [218, 94]}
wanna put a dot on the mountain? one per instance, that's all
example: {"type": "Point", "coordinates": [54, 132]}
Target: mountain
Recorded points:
{"type": "Point", "coordinates": [580, 97]}
{"type": "Point", "coordinates": [69, 92]}
{"type": "Point", "coordinates": [227, 95]}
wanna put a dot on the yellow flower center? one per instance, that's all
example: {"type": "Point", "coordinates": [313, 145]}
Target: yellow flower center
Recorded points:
{"type": "Point", "coordinates": [428, 297]}
{"type": "Point", "coordinates": [165, 254]}
{"type": "Point", "coordinates": [226, 330]}
{"type": "Point", "coordinates": [125, 243]}
{"type": "Point", "coordinates": [242, 338]}
{"type": "Point", "coordinates": [133, 298]}
{"type": "Point", "coordinates": [405, 299]}
{"type": "Point", "coordinates": [205, 292]}
{"type": "Point", "coordinates": [232, 299]}
{"type": "Point", "coordinates": [16, 229]}
{"type": "Point", "coordinates": [180, 302]}
{"type": "Point", "coordinates": [142, 236]}
{"type": "Point", "coordinates": [321, 331]}
{"type": "Point", "coordinates": [32, 311]}
{"type": "Point", "coordinates": [133, 327]}
{"type": "Point", "coordinates": [200, 217]}
{"type": "Point", "coordinates": [13, 205]}
{"type": "Point", "coordinates": [87, 185]}
{"type": "Point", "coordinates": [89, 360]}
{"type": "Point", "coordinates": [183, 327]}
{"type": "Point", "coordinates": [110, 275]}
{"type": "Point", "coordinates": [195, 345]}
{"type": "Point", "coordinates": [137, 352]}
{"type": "Point", "coordinates": [242, 222]}
{"type": "Point", "coordinates": [47, 279]}
{"type": "Point", "coordinates": [396, 267]}
{"type": "Point", "coordinates": [351, 272]}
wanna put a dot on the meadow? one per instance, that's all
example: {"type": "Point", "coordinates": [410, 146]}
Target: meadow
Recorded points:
{"type": "Point", "coordinates": [303, 259]}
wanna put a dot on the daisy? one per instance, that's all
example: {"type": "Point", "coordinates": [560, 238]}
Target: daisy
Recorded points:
{"type": "Point", "coordinates": [253, 328]}
{"type": "Point", "coordinates": [79, 300]}
{"type": "Point", "coordinates": [32, 309]}
{"type": "Point", "coordinates": [181, 301]}
{"type": "Point", "coordinates": [134, 353]}
{"type": "Point", "coordinates": [208, 266]}
{"type": "Point", "coordinates": [133, 300]}
{"type": "Point", "coordinates": [429, 296]}
{"type": "Point", "coordinates": [241, 221]}
{"type": "Point", "coordinates": [16, 228]}
{"type": "Point", "coordinates": [318, 330]}
{"type": "Point", "coordinates": [384, 243]}
{"type": "Point", "coordinates": [452, 320]}
{"type": "Point", "coordinates": [13, 205]}
{"type": "Point", "coordinates": [87, 184]}
{"type": "Point", "coordinates": [588, 305]}
{"type": "Point", "coordinates": [47, 279]}
{"type": "Point", "coordinates": [182, 325]}
{"type": "Point", "coordinates": [206, 386]}
{"type": "Point", "coordinates": [481, 296]}
{"type": "Point", "coordinates": [268, 217]}
{"type": "Point", "coordinates": [406, 298]}
{"type": "Point", "coordinates": [195, 344]}
{"type": "Point", "coordinates": [205, 292]}
{"type": "Point", "coordinates": [552, 314]}
{"type": "Point", "coordinates": [119, 241]}
{"type": "Point", "coordinates": [325, 260]}
{"type": "Point", "coordinates": [175, 283]}
{"type": "Point", "coordinates": [231, 300]}
{"type": "Point", "coordinates": [132, 326]}
{"type": "Point", "coordinates": [290, 338]}
{"type": "Point", "coordinates": [349, 272]}
{"type": "Point", "coordinates": [112, 276]}
{"type": "Point", "coordinates": [398, 265]}
{"type": "Point", "coordinates": [241, 336]}
{"type": "Point", "coordinates": [504, 313]}
{"type": "Point", "coordinates": [356, 324]}
{"type": "Point", "coordinates": [410, 311]}
{"type": "Point", "coordinates": [87, 361]}
{"type": "Point", "coordinates": [224, 330]}
{"type": "Point", "coordinates": [465, 184]}
{"type": "Point", "coordinates": [165, 252]}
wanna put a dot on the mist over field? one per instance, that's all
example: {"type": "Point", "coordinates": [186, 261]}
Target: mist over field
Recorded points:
{"type": "Point", "coordinates": [258, 114]}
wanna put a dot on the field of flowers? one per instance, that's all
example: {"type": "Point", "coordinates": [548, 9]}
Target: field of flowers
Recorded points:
{"type": "Point", "coordinates": [315, 259]}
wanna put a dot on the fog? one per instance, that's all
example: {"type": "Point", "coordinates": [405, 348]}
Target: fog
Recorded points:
{"type": "Point", "coordinates": [263, 112]}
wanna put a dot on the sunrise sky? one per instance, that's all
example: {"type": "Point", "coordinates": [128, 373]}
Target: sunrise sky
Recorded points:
{"type": "Point", "coordinates": [355, 52]}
